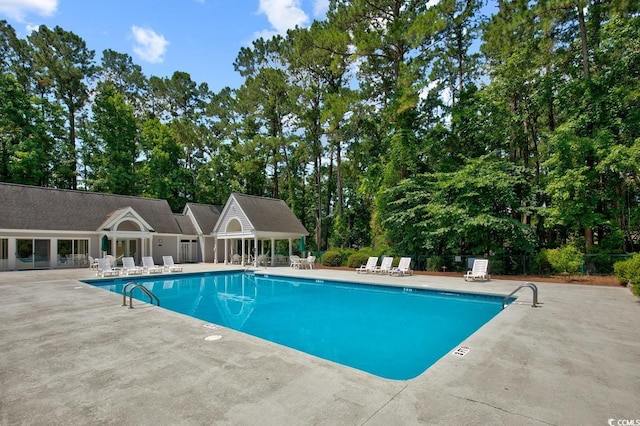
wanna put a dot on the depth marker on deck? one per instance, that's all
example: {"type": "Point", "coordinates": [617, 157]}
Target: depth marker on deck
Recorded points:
{"type": "Point", "coordinates": [461, 351]}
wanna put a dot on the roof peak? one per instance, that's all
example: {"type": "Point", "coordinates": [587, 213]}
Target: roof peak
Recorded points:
{"type": "Point", "coordinates": [47, 188]}
{"type": "Point", "coordinates": [256, 196]}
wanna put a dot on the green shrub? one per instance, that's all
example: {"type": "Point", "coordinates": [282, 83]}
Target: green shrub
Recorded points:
{"type": "Point", "coordinates": [497, 266]}
{"type": "Point", "coordinates": [358, 259]}
{"type": "Point", "coordinates": [435, 263]}
{"type": "Point", "coordinates": [565, 260]}
{"type": "Point", "coordinates": [332, 258]}
{"type": "Point", "coordinates": [540, 263]}
{"type": "Point", "coordinates": [341, 256]}
{"type": "Point", "coordinates": [628, 272]}
{"type": "Point", "coordinates": [599, 263]}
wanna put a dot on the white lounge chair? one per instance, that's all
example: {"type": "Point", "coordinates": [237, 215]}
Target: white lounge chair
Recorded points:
{"type": "Point", "coordinates": [403, 268]}
{"type": "Point", "coordinates": [478, 270]}
{"type": "Point", "coordinates": [236, 259]}
{"type": "Point", "coordinates": [370, 267]}
{"type": "Point", "coordinates": [129, 266]}
{"type": "Point", "coordinates": [169, 265]}
{"type": "Point", "coordinates": [93, 263]}
{"type": "Point", "coordinates": [149, 266]}
{"type": "Point", "coordinates": [385, 266]}
{"type": "Point", "coordinates": [105, 269]}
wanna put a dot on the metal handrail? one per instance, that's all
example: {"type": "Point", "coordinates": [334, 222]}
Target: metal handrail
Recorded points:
{"type": "Point", "coordinates": [533, 288]}
{"type": "Point", "coordinates": [133, 286]}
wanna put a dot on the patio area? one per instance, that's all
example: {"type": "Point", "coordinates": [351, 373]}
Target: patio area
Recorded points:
{"type": "Point", "coordinates": [71, 354]}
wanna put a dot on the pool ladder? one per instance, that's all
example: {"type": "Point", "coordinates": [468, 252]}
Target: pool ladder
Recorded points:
{"type": "Point", "coordinates": [133, 286]}
{"type": "Point", "coordinates": [533, 288]}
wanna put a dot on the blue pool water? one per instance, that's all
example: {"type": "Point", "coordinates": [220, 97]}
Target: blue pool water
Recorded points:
{"type": "Point", "coordinates": [391, 332]}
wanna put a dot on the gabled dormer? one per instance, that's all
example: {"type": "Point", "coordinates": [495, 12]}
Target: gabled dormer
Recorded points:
{"type": "Point", "coordinates": [125, 221]}
{"type": "Point", "coordinates": [257, 217]}
{"type": "Point", "coordinates": [233, 221]}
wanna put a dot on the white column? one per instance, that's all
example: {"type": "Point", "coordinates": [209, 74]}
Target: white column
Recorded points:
{"type": "Point", "coordinates": [273, 253]}
{"type": "Point", "coordinates": [53, 252]}
{"type": "Point", "coordinates": [255, 257]}
{"type": "Point", "coordinates": [226, 251]}
{"type": "Point", "coordinates": [242, 254]}
{"type": "Point", "coordinates": [13, 249]}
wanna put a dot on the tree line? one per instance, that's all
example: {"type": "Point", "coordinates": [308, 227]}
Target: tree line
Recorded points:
{"type": "Point", "coordinates": [405, 125]}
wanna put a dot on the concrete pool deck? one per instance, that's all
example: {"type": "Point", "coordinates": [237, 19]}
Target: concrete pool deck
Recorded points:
{"type": "Point", "coordinates": [71, 354]}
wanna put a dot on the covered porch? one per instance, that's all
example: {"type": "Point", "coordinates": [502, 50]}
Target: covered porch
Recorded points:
{"type": "Point", "coordinates": [126, 233]}
{"type": "Point", "coordinates": [249, 228]}
{"type": "Point", "coordinates": [254, 248]}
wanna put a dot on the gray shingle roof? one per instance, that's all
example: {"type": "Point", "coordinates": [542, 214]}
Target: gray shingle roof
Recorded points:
{"type": "Point", "coordinates": [269, 214]}
{"type": "Point", "coordinates": [37, 208]}
{"type": "Point", "coordinates": [206, 215]}
{"type": "Point", "coordinates": [186, 225]}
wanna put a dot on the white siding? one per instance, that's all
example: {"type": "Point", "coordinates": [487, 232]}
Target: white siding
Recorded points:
{"type": "Point", "coordinates": [234, 212]}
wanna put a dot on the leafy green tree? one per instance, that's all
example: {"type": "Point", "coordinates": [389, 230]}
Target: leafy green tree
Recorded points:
{"type": "Point", "coordinates": [64, 64]}
{"type": "Point", "coordinates": [16, 57]}
{"type": "Point", "coordinates": [127, 77]}
{"type": "Point", "coordinates": [320, 69]}
{"type": "Point", "coordinates": [27, 152]}
{"type": "Point", "coordinates": [225, 133]}
{"type": "Point", "coordinates": [267, 92]}
{"type": "Point", "coordinates": [475, 210]}
{"type": "Point", "coordinates": [115, 168]}
{"type": "Point", "coordinates": [596, 130]}
{"type": "Point", "coordinates": [181, 104]}
{"type": "Point", "coordinates": [392, 52]}
{"type": "Point", "coordinates": [25, 149]}
{"type": "Point", "coordinates": [13, 124]}
{"type": "Point", "coordinates": [162, 175]}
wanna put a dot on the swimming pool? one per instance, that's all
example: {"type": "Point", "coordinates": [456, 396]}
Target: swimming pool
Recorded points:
{"type": "Point", "coordinates": [395, 333]}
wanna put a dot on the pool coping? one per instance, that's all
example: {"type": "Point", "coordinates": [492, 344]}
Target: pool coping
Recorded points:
{"type": "Point", "coordinates": [526, 366]}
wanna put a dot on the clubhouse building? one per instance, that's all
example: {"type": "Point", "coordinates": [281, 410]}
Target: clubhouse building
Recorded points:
{"type": "Point", "coordinates": [44, 228]}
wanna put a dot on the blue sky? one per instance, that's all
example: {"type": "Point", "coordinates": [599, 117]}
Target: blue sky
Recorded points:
{"type": "Point", "coordinates": [199, 37]}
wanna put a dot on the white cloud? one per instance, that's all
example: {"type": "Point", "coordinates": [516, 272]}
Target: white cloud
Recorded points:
{"type": "Point", "coordinates": [19, 9]}
{"type": "Point", "coordinates": [320, 8]}
{"type": "Point", "coordinates": [31, 28]}
{"type": "Point", "coordinates": [150, 46]}
{"type": "Point", "coordinates": [433, 84]}
{"type": "Point", "coordinates": [264, 34]}
{"type": "Point", "coordinates": [282, 15]}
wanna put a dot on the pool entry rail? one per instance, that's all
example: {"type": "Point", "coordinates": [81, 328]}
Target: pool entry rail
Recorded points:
{"type": "Point", "coordinates": [132, 286]}
{"type": "Point", "coordinates": [533, 288]}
